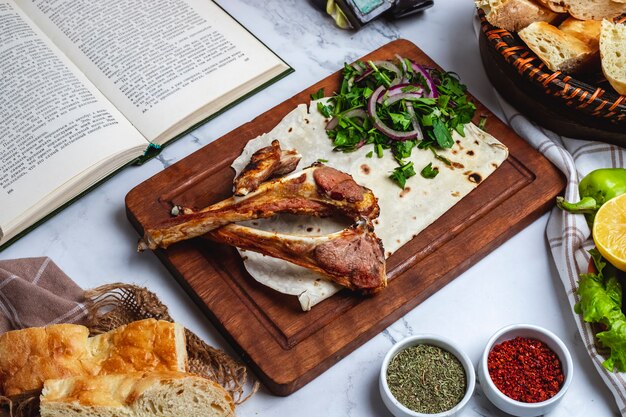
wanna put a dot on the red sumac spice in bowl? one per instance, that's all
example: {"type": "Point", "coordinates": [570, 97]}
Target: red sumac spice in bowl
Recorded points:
{"type": "Point", "coordinates": [525, 370]}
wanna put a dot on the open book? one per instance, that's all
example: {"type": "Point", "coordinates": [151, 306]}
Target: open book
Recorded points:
{"type": "Point", "coordinates": [86, 87]}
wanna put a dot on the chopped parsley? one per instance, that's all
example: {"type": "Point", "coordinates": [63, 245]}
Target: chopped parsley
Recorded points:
{"type": "Point", "coordinates": [483, 122]}
{"type": "Point", "coordinates": [401, 173]}
{"type": "Point", "coordinates": [318, 94]}
{"type": "Point", "coordinates": [429, 172]}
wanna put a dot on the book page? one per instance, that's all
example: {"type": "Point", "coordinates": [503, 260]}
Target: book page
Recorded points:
{"type": "Point", "coordinates": [156, 60]}
{"type": "Point", "coordinates": [53, 123]}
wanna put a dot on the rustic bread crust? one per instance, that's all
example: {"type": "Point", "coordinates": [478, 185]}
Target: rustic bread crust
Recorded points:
{"type": "Point", "coordinates": [613, 53]}
{"type": "Point", "coordinates": [514, 15]}
{"type": "Point", "coordinates": [146, 345]}
{"type": "Point", "coordinates": [587, 31]}
{"type": "Point", "coordinates": [29, 357]}
{"type": "Point", "coordinates": [595, 9]}
{"type": "Point", "coordinates": [560, 51]}
{"type": "Point", "coordinates": [557, 6]}
{"type": "Point", "coordinates": [166, 394]}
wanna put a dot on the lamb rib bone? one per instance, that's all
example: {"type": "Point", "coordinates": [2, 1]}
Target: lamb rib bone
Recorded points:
{"type": "Point", "coordinates": [318, 190]}
{"type": "Point", "coordinates": [353, 257]}
{"type": "Point", "coordinates": [268, 162]}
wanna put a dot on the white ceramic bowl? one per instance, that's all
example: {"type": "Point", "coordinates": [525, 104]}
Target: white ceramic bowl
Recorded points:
{"type": "Point", "coordinates": [507, 404]}
{"type": "Point", "coordinates": [399, 410]}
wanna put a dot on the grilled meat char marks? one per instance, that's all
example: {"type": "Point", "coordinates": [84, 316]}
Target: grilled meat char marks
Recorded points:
{"type": "Point", "coordinates": [262, 164]}
{"type": "Point", "coordinates": [359, 258]}
{"type": "Point", "coordinates": [341, 187]}
{"type": "Point", "coordinates": [265, 163]}
{"type": "Point", "coordinates": [338, 185]}
{"type": "Point", "coordinates": [353, 257]}
{"type": "Point", "coordinates": [297, 193]}
{"type": "Point", "coordinates": [289, 160]}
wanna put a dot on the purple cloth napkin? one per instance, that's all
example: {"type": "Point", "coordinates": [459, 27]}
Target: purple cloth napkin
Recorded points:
{"type": "Point", "coordinates": [35, 292]}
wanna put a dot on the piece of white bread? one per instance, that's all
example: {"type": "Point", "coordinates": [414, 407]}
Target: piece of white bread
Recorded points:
{"type": "Point", "coordinates": [613, 54]}
{"type": "Point", "coordinates": [557, 49]}
{"type": "Point", "coordinates": [594, 9]}
{"type": "Point", "coordinates": [587, 31]}
{"type": "Point", "coordinates": [29, 357]}
{"type": "Point", "coordinates": [162, 394]}
{"type": "Point", "coordinates": [514, 15]}
{"type": "Point", "coordinates": [555, 5]}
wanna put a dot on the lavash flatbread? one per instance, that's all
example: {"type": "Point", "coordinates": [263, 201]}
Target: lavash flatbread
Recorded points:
{"type": "Point", "coordinates": [403, 213]}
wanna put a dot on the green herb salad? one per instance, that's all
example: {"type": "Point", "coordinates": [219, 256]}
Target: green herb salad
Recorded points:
{"type": "Point", "coordinates": [397, 105]}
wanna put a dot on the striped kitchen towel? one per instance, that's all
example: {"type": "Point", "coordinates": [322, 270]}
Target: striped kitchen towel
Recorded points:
{"type": "Point", "coordinates": [35, 292]}
{"type": "Point", "coordinates": [568, 234]}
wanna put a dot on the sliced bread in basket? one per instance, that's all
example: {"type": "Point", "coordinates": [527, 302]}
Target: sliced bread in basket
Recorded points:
{"type": "Point", "coordinates": [514, 15]}
{"type": "Point", "coordinates": [560, 51]}
{"type": "Point", "coordinates": [613, 53]}
{"type": "Point", "coordinates": [595, 9]}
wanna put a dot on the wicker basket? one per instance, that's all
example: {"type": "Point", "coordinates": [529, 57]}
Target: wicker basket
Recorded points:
{"type": "Point", "coordinates": [584, 108]}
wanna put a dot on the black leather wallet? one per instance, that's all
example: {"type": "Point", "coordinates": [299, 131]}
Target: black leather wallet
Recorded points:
{"type": "Point", "coordinates": [361, 12]}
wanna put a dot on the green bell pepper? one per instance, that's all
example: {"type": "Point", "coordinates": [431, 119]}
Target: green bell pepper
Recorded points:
{"type": "Point", "coordinates": [595, 189]}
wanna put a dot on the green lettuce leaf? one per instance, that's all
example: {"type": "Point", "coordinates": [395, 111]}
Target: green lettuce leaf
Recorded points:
{"type": "Point", "coordinates": [615, 339]}
{"type": "Point", "coordinates": [601, 302]}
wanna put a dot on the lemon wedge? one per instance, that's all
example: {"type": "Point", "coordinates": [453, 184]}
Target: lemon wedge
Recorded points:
{"type": "Point", "coordinates": [609, 231]}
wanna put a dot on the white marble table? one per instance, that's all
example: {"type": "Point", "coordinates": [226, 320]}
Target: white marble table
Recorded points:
{"type": "Point", "coordinates": [94, 243]}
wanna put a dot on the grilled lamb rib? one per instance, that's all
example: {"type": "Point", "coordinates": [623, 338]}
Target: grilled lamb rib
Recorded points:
{"type": "Point", "coordinates": [353, 257]}
{"type": "Point", "coordinates": [265, 163]}
{"type": "Point", "coordinates": [316, 191]}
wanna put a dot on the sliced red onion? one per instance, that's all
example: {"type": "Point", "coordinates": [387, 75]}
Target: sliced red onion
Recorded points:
{"type": "Point", "coordinates": [398, 89]}
{"type": "Point", "coordinates": [414, 121]}
{"type": "Point", "coordinates": [351, 82]}
{"type": "Point", "coordinates": [429, 80]}
{"type": "Point", "coordinates": [332, 124]}
{"type": "Point", "coordinates": [358, 113]}
{"type": "Point", "coordinates": [358, 68]}
{"type": "Point", "coordinates": [406, 77]}
{"type": "Point", "coordinates": [364, 75]}
{"type": "Point", "coordinates": [354, 113]}
{"type": "Point", "coordinates": [389, 132]}
{"type": "Point", "coordinates": [402, 63]}
{"type": "Point", "coordinates": [402, 96]}
{"type": "Point", "coordinates": [389, 66]}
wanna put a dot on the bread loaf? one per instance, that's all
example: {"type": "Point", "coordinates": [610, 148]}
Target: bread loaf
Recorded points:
{"type": "Point", "coordinates": [145, 345]}
{"type": "Point", "coordinates": [560, 51]}
{"type": "Point", "coordinates": [163, 394]}
{"type": "Point", "coordinates": [29, 357]}
{"type": "Point", "coordinates": [587, 31]}
{"type": "Point", "coordinates": [514, 15]}
{"type": "Point", "coordinates": [555, 5]}
{"type": "Point", "coordinates": [613, 53]}
{"type": "Point", "coordinates": [594, 9]}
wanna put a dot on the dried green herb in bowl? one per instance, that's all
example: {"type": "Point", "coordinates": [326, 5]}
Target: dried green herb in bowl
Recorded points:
{"type": "Point", "coordinates": [426, 379]}
{"type": "Point", "coordinates": [426, 375]}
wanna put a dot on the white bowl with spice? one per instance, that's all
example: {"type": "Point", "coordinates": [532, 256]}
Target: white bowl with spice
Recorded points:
{"type": "Point", "coordinates": [426, 375]}
{"type": "Point", "coordinates": [525, 370]}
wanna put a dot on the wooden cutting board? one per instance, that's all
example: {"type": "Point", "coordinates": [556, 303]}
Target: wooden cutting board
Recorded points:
{"type": "Point", "coordinates": [285, 346]}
